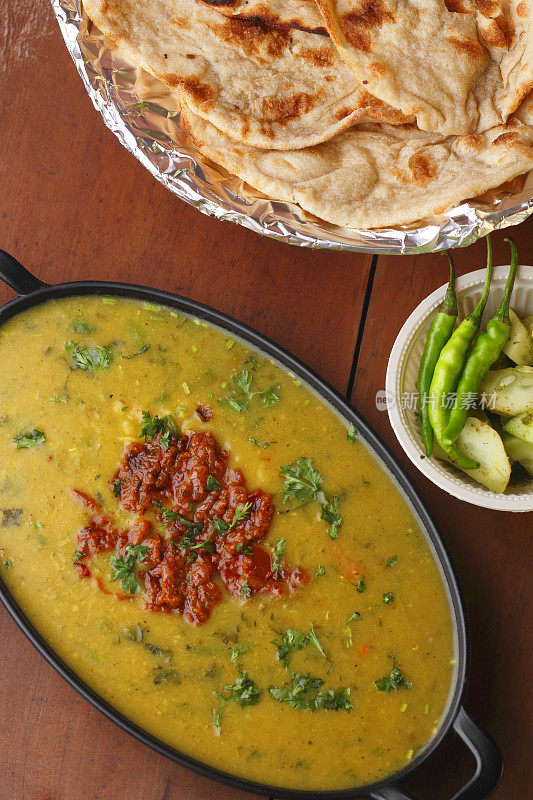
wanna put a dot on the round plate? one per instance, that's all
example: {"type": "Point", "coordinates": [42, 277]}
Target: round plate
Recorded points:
{"type": "Point", "coordinates": [142, 113]}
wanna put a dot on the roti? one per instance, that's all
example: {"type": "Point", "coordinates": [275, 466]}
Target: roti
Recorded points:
{"type": "Point", "coordinates": [460, 66]}
{"type": "Point", "coordinates": [258, 83]}
{"type": "Point", "coordinates": [375, 175]}
{"type": "Point", "coordinates": [303, 14]}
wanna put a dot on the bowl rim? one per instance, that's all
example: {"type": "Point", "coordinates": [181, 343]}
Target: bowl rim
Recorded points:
{"type": "Point", "coordinates": [478, 496]}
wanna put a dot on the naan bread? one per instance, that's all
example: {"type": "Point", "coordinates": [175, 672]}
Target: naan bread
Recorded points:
{"type": "Point", "coordinates": [260, 84]}
{"type": "Point", "coordinates": [459, 66]}
{"type": "Point", "coordinates": [375, 175]}
{"type": "Point", "coordinates": [303, 14]}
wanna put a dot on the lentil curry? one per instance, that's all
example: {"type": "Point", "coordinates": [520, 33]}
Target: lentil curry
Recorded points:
{"type": "Point", "coordinates": [213, 550]}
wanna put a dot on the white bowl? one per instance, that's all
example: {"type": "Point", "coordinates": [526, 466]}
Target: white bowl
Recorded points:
{"type": "Point", "coordinates": [402, 372]}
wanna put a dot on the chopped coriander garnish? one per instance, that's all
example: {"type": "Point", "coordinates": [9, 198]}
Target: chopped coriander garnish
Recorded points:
{"type": "Point", "coordinates": [330, 514]}
{"type": "Point", "coordinates": [243, 381]}
{"type": "Point", "coordinates": [244, 549]}
{"type": "Point", "coordinates": [138, 353]}
{"type": "Point", "coordinates": [151, 426]}
{"type": "Point", "coordinates": [291, 640]}
{"type": "Point", "coordinates": [229, 344]}
{"type": "Point", "coordinates": [391, 561]}
{"type": "Point", "coordinates": [296, 640]}
{"type": "Point", "coordinates": [117, 488]}
{"type": "Point", "coordinates": [124, 568]}
{"type": "Point", "coordinates": [243, 690]}
{"type": "Point", "coordinates": [90, 359]}
{"type": "Point", "coordinates": [219, 524]}
{"type": "Point", "coordinates": [212, 485]}
{"type": "Point", "coordinates": [301, 481]}
{"type": "Point", "coordinates": [321, 570]}
{"type": "Point", "coordinates": [217, 715]}
{"type": "Point", "coordinates": [29, 439]}
{"type": "Point", "coordinates": [245, 589]}
{"type": "Point", "coordinates": [8, 564]}
{"type": "Point", "coordinates": [351, 433]}
{"type": "Point", "coordinates": [303, 692]}
{"type": "Point", "coordinates": [58, 399]}
{"type": "Point", "coordinates": [279, 551]}
{"type": "Point", "coordinates": [234, 403]}
{"type": "Point", "coordinates": [393, 680]}
{"type": "Point", "coordinates": [313, 638]}
{"type": "Point", "coordinates": [361, 585]}
{"type": "Point", "coordinates": [388, 598]}
{"type": "Point", "coordinates": [77, 555]}
{"type": "Point", "coordinates": [83, 328]}
{"type": "Point", "coordinates": [269, 397]}
{"type": "Point", "coordinates": [354, 616]}
{"type": "Point", "coordinates": [241, 512]}
{"type": "Point", "coordinates": [258, 443]}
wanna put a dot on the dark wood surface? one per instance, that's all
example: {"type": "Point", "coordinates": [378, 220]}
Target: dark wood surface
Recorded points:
{"type": "Point", "coordinates": [74, 204]}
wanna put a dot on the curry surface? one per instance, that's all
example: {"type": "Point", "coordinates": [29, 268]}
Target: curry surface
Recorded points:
{"type": "Point", "coordinates": [88, 419]}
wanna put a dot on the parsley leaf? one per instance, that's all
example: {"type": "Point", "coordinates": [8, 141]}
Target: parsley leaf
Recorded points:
{"type": "Point", "coordinates": [321, 570]}
{"type": "Point", "coordinates": [391, 561]}
{"type": "Point", "coordinates": [217, 715]}
{"type": "Point", "coordinates": [30, 439]}
{"type": "Point", "coordinates": [351, 433]}
{"type": "Point", "coordinates": [212, 485]}
{"type": "Point", "coordinates": [244, 549]}
{"type": "Point", "coordinates": [260, 444]}
{"type": "Point", "coordinates": [243, 381]}
{"type": "Point", "coordinates": [388, 598]}
{"type": "Point", "coordinates": [291, 640]}
{"type": "Point", "coordinates": [83, 328]}
{"type": "Point", "coordinates": [361, 585]}
{"type": "Point", "coordinates": [90, 359]}
{"type": "Point", "coordinates": [330, 514]}
{"type": "Point", "coordinates": [295, 640]}
{"type": "Point", "coordinates": [241, 512]}
{"type": "Point", "coordinates": [313, 638]}
{"type": "Point", "coordinates": [303, 692]}
{"type": "Point", "coordinates": [124, 568]}
{"type": "Point", "coordinates": [301, 481]}
{"type": "Point", "coordinates": [138, 353]}
{"type": "Point", "coordinates": [245, 589]}
{"type": "Point", "coordinates": [279, 551]}
{"type": "Point", "coordinates": [151, 426]}
{"type": "Point", "coordinates": [234, 403]}
{"type": "Point", "coordinates": [244, 690]}
{"type": "Point", "coordinates": [393, 680]}
{"type": "Point", "coordinates": [117, 487]}
{"type": "Point", "coordinates": [269, 397]}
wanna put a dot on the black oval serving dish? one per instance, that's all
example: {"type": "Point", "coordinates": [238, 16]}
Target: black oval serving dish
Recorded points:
{"type": "Point", "coordinates": [488, 769]}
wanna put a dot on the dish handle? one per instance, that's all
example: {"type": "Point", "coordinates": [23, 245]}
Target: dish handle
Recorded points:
{"type": "Point", "coordinates": [17, 277]}
{"type": "Point", "coordinates": [488, 764]}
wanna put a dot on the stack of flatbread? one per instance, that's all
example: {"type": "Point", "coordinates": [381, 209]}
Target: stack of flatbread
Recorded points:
{"type": "Point", "coordinates": [367, 113]}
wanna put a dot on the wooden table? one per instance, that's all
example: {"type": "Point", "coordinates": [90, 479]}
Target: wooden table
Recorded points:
{"type": "Point", "coordinates": [74, 204]}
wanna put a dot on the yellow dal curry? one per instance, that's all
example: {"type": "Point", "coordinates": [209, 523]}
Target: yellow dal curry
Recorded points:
{"type": "Point", "coordinates": [331, 683]}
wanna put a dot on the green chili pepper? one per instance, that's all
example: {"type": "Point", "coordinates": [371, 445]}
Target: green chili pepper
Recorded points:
{"type": "Point", "coordinates": [448, 371]}
{"type": "Point", "coordinates": [439, 333]}
{"type": "Point", "coordinates": [484, 353]}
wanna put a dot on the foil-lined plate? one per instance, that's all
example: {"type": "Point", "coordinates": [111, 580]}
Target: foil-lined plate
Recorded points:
{"type": "Point", "coordinates": [143, 114]}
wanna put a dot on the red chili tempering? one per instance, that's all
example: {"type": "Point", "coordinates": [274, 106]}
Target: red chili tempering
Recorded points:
{"type": "Point", "coordinates": [183, 563]}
